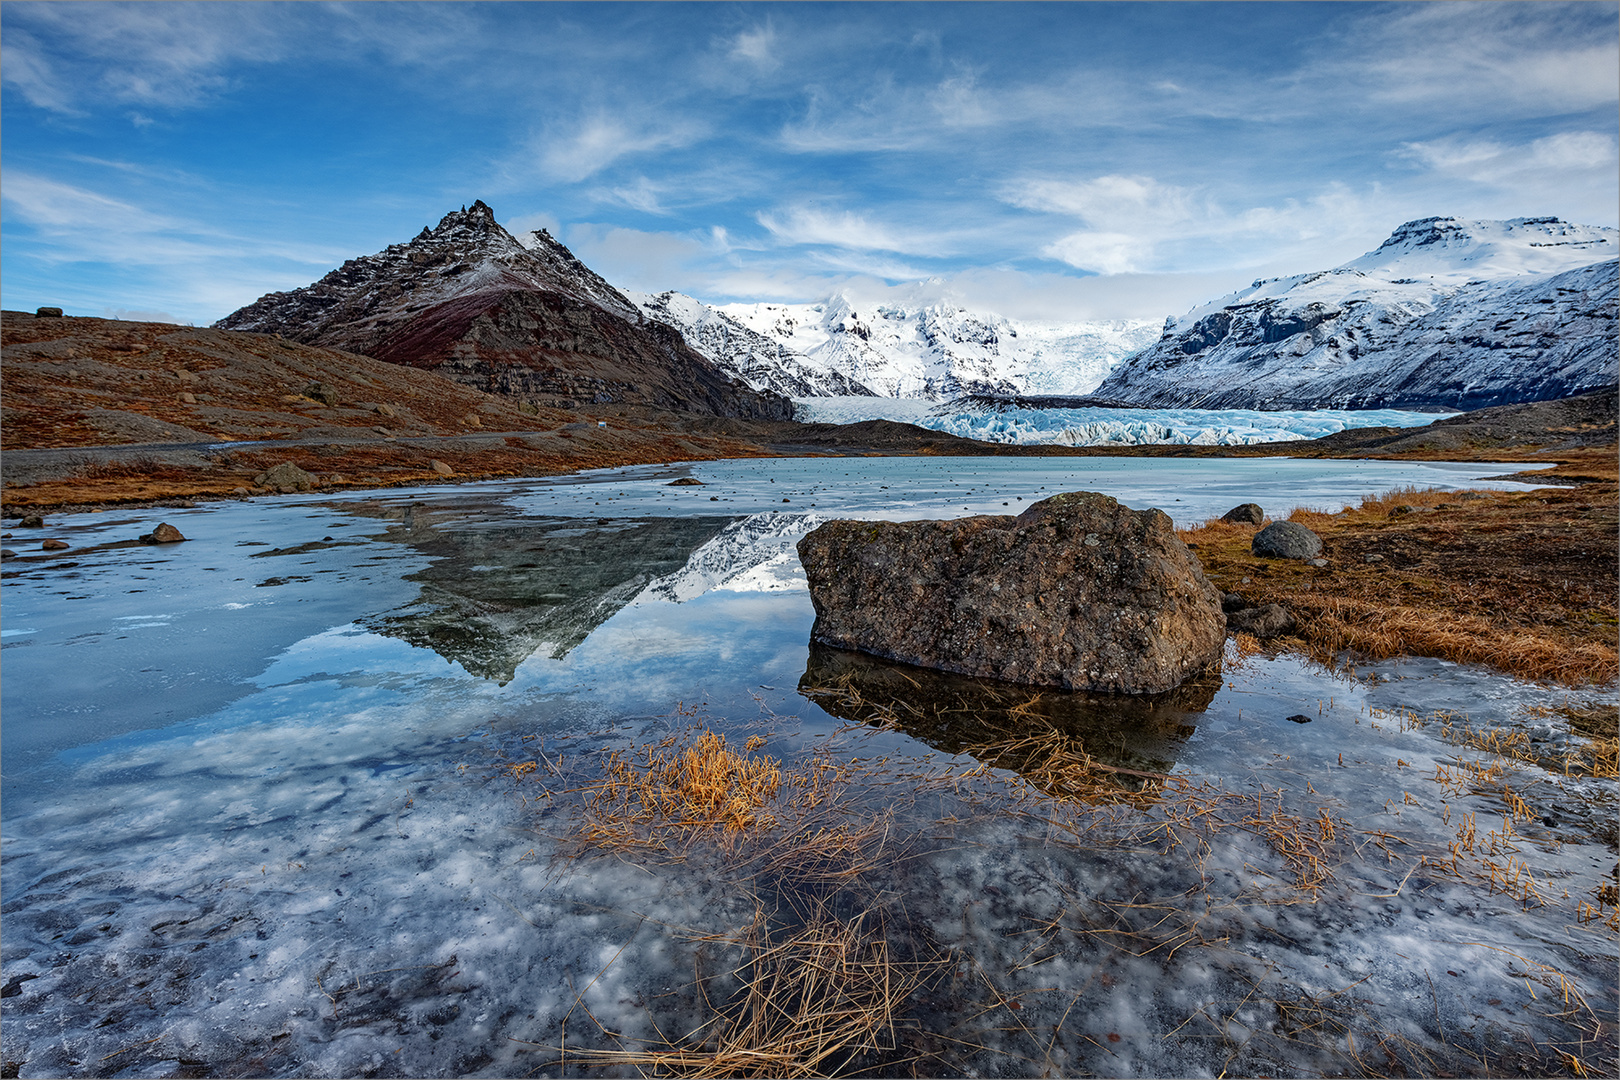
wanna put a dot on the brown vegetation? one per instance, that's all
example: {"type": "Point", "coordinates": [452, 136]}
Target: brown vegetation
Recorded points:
{"type": "Point", "coordinates": [1522, 582]}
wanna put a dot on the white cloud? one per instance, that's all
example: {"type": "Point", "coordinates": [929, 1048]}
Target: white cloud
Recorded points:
{"type": "Point", "coordinates": [1561, 158]}
{"type": "Point", "coordinates": [1528, 59]}
{"type": "Point", "coordinates": [603, 138]}
{"type": "Point", "coordinates": [803, 224]}
{"type": "Point", "coordinates": [757, 46]}
{"type": "Point", "coordinates": [1101, 252]}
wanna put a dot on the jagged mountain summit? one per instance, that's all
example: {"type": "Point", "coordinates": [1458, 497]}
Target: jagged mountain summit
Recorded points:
{"type": "Point", "coordinates": [528, 320]}
{"type": "Point", "coordinates": [935, 351]}
{"type": "Point", "coordinates": [1446, 313]}
{"type": "Point", "coordinates": [759, 361]}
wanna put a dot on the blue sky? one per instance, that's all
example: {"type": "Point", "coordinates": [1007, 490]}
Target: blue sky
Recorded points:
{"type": "Point", "coordinates": [1047, 160]}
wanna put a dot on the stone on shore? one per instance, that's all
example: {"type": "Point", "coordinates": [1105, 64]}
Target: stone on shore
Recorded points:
{"type": "Point", "coordinates": [284, 478]}
{"type": "Point", "coordinates": [1267, 621]}
{"type": "Point", "coordinates": [1286, 540]}
{"type": "Point", "coordinates": [1245, 514]}
{"type": "Point", "coordinates": [1077, 592]}
{"type": "Point", "coordinates": [163, 534]}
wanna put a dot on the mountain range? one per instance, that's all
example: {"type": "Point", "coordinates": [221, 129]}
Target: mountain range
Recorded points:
{"type": "Point", "coordinates": [936, 351]}
{"type": "Point", "coordinates": [1446, 313]}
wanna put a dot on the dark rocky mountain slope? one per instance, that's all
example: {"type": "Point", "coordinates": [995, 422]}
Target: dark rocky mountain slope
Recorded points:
{"type": "Point", "coordinates": [468, 300]}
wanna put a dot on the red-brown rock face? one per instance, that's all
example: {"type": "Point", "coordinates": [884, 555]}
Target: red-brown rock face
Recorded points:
{"type": "Point", "coordinates": [1077, 592]}
{"type": "Point", "coordinates": [467, 300]}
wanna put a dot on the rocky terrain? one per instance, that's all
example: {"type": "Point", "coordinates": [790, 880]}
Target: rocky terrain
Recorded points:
{"type": "Point", "coordinates": [524, 321]}
{"type": "Point", "coordinates": [1445, 314]}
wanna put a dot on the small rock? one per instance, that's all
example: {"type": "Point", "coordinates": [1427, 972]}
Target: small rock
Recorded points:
{"type": "Point", "coordinates": [189, 398]}
{"type": "Point", "coordinates": [163, 534]}
{"type": "Point", "coordinates": [1272, 620]}
{"type": "Point", "coordinates": [54, 545]}
{"type": "Point", "coordinates": [1299, 718]}
{"type": "Point", "coordinates": [1286, 540]}
{"type": "Point", "coordinates": [1231, 602]}
{"type": "Point", "coordinates": [285, 477]}
{"type": "Point", "coordinates": [1402, 510]}
{"type": "Point", "coordinates": [685, 481]}
{"type": "Point", "coordinates": [471, 420]}
{"type": "Point", "coordinates": [384, 410]}
{"type": "Point", "coordinates": [1372, 558]}
{"type": "Point", "coordinates": [441, 468]}
{"type": "Point", "coordinates": [322, 392]}
{"type": "Point", "coordinates": [1246, 514]}
{"type": "Point", "coordinates": [7, 553]}
{"type": "Point", "coordinates": [32, 521]}
{"type": "Point", "coordinates": [1472, 495]}
{"type": "Point", "coordinates": [714, 498]}
{"type": "Point", "coordinates": [1318, 563]}
{"type": "Point", "coordinates": [185, 376]}
{"type": "Point", "coordinates": [240, 492]}
{"type": "Point", "coordinates": [48, 313]}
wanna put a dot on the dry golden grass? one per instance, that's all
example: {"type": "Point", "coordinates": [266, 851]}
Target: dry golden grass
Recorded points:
{"type": "Point", "coordinates": [1522, 582]}
{"type": "Point", "coordinates": [814, 1000]}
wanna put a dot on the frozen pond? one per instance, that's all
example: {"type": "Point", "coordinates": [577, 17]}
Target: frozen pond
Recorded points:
{"type": "Point", "coordinates": [314, 794]}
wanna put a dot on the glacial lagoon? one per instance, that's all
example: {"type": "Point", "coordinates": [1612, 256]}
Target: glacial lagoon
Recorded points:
{"type": "Point", "coordinates": [311, 794]}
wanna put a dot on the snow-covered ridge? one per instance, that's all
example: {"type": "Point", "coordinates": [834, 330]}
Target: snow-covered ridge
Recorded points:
{"type": "Point", "coordinates": [1446, 312]}
{"type": "Point", "coordinates": [761, 362]}
{"type": "Point", "coordinates": [934, 351]}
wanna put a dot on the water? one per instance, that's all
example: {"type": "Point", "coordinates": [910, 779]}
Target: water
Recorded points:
{"type": "Point", "coordinates": [261, 814]}
{"type": "Point", "coordinates": [972, 419]}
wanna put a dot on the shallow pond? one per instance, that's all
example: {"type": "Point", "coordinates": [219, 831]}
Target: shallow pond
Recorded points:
{"type": "Point", "coordinates": [370, 785]}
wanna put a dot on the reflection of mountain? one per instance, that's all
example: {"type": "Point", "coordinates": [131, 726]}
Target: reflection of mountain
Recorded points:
{"type": "Point", "coordinates": [755, 554]}
{"type": "Point", "coordinates": [957, 714]}
{"type": "Point", "coordinates": [496, 596]}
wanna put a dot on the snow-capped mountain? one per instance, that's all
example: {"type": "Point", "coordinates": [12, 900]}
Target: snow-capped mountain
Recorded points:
{"type": "Point", "coordinates": [1445, 313]}
{"type": "Point", "coordinates": [761, 362]}
{"type": "Point", "coordinates": [467, 299]}
{"type": "Point", "coordinates": [934, 351]}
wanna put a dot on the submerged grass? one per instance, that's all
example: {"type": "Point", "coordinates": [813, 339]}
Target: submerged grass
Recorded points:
{"type": "Point", "coordinates": [831, 976]}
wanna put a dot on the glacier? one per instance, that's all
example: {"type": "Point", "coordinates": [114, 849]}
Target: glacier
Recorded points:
{"type": "Point", "coordinates": [1106, 427]}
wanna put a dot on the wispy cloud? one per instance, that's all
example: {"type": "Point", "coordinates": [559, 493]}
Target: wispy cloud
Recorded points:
{"type": "Point", "coordinates": [815, 225]}
{"type": "Point", "coordinates": [605, 137]}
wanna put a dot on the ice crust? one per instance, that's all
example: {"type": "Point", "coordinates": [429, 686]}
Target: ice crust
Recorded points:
{"type": "Point", "coordinates": [317, 866]}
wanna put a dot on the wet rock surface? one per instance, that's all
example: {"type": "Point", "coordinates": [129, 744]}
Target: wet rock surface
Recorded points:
{"type": "Point", "coordinates": [1077, 592]}
{"type": "Point", "coordinates": [163, 534]}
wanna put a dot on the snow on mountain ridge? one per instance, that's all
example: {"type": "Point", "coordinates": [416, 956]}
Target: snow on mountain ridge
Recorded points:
{"type": "Point", "coordinates": [1500, 311]}
{"type": "Point", "coordinates": [934, 351]}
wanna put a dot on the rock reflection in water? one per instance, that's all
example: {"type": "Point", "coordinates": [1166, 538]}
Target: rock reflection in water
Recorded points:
{"type": "Point", "coordinates": [1008, 726]}
{"type": "Point", "coordinates": [496, 596]}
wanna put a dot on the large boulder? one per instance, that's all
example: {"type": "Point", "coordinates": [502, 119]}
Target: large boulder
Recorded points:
{"type": "Point", "coordinates": [1286, 540]}
{"type": "Point", "coordinates": [285, 477]}
{"type": "Point", "coordinates": [1077, 592]}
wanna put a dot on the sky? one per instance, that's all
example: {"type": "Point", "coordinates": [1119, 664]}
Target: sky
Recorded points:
{"type": "Point", "coordinates": [1045, 161]}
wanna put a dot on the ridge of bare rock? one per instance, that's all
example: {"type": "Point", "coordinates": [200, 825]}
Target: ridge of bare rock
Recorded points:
{"type": "Point", "coordinates": [526, 320]}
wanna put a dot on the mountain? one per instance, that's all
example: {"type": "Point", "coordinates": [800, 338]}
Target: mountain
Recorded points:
{"type": "Point", "coordinates": [930, 351]}
{"type": "Point", "coordinates": [527, 320]}
{"type": "Point", "coordinates": [1446, 313]}
{"type": "Point", "coordinates": [759, 361]}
